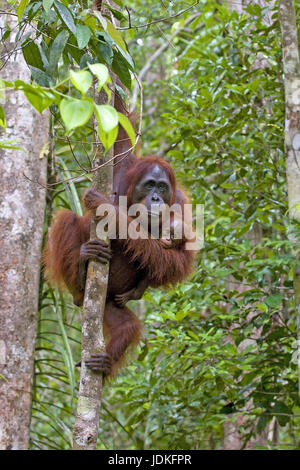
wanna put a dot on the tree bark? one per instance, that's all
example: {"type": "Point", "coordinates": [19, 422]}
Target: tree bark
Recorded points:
{"type": "Point", "coordinates": [85, 431]}
{"type": "Point", "coordinates": [291, 66]}
{"type": "Point", "coordinates": [89, 400]}
{"type": "Point", "coordinates": [22, 205]}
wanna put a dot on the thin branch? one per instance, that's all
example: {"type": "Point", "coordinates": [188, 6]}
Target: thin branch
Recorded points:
{"type": "Point", "coordinates": [160, 20]}
{"type": "Point", "coordinates": [87, 170]}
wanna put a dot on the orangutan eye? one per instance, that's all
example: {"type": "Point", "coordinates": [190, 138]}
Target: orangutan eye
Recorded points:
{"type": "Point", "coordinates": [162, 187]}
{"type": "Point", "coordinates": [149, 184]}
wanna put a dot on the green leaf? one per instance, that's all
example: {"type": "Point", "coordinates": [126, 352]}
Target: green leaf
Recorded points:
{"type": "Point", "coordinates": [262, 307]}
{"type": "Point", "coordinates": [127, 126]}
{"type": "Point", "coordinates": [107, 117]}
{"type": "Point", "coordinates": [117, 14]}
{"type": "Point", "coordinates": [73, 50]}
{"type": "Point", "coordinates": [120, 44]}
{"type": "Point", "coordinates": [83, 35]}
{"type": "Point", "coordinates": [40, 100]}
{"type": "Point", "coordinates": [66, 16]}
{"type": "Point", "coordinates": [32, 55]}
{"type": "Point", "coordinates": [57, 49]}
{"type": "Point", "coordinates": [21, 8]}
{"type": "Point", "coordinates": [2, 118]}
{"type": "Point", "coordinates": [91, 22]}
{"type": "Point", "coordinates": [74, 200]}
{"type": "Point", "coordinates": [107, 138]}
{"type": "Point", "coordinates": [31, 9]}
{"type": "Point", "coordinates": [111, 30]}
{"type": "Point", "coordinates": [40, 77]}
{"type": "Point", "coordinates": [126, 56]}
{"type": "Point", "coordinates": [120, 91]}
{"type": "Point", "coordinates": [248, 378]}
{"type": "Point", "coordinates": [262, 422]}
{"type": "Point", "coordinates": [280, 409]}
{"type": "Point", "coordinates": [74, 112]}
{"type": "Point", "coordinates": [274, 300]}
{"type": "Point", "coordinates": [107, 91]}
{"type": "Point", "coordinates": [6, 34]}
{"type": "Point", "coordinates": [116, 36]}
{"type": "Point", "coordinates": [8, 144]}
{"type": "Point", "coordinates": [67, 352]}
{"type": "Point", "coordinates": [101, 72]}
{"type": "Point", "coordinates": [180, 315]}
{"type": "Point", "coordinates": [101, 18]}
{"type": "Point", "coordinates": [104, 48]}
{"type": "Point", "coordinates": [85, 60]}
{"type": "Point", "coordinates": [120, 67]}
{"type": "Point", "coordinates": [119, 2]}
{"type": "Point", "coordinates": [82, 80]}
{"type": "Point", "coordinates": [47, 4]}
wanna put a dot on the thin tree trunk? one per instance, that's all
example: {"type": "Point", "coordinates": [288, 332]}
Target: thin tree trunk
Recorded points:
{"type": "Point", "coordinates": [90, 390]}
{"type": "Point", "coordinates": [85, 431]}
{"type": "Point", "coordinates": [22, 205]}
{"type": "Point", "coordinates": [287, 18]}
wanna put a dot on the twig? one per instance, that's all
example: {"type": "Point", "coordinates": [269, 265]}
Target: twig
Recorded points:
{"type": "Point", "coordinates": [129, 19]}
{"type": "Point", "coordinates": [160, 20]}
{"type": "Point", "coordinates": [87, 170]}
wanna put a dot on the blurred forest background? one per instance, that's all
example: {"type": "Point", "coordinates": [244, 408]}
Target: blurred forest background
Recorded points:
{"type": "Point", "coordinates": [217, 368]}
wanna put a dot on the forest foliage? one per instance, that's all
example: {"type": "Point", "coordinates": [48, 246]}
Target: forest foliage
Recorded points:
{"type": "Point", "coordinates": [223, 345]}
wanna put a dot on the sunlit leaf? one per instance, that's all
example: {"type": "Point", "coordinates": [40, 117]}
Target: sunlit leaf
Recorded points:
{"type": "Point", "coordinates": [107, 117]}
{"type": "Point", "coordinates": [2, 118]}
{"type": "Point", "coordinates": [75, 112]}
{"type": "Point", "coordinates": [21, 8]}
{"type": "Point", "coordinates": [116, 36]}
{"type": "Point", "coordinates": [40, 100]}
{"type": "Point", "coordinates": [126, 124]}
{"type": "Point", "coordinates": [82, 80]}
{"type": "Point", "coordinates": [107, 138]}
{"type": "Point", "coordinates": [101, 72]}
{"type": "Point", "coordinates": [10, 145]}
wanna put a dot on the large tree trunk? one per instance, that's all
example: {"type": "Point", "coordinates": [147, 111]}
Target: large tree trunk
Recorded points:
{"type": "Point", "coordinates": [291, 65]}
{"type": "Point", "coordinates": [21, 224]}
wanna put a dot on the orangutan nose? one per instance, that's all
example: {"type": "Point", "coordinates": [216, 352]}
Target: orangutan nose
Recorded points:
{"type": "Point", "coordinates": [155, 198]}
